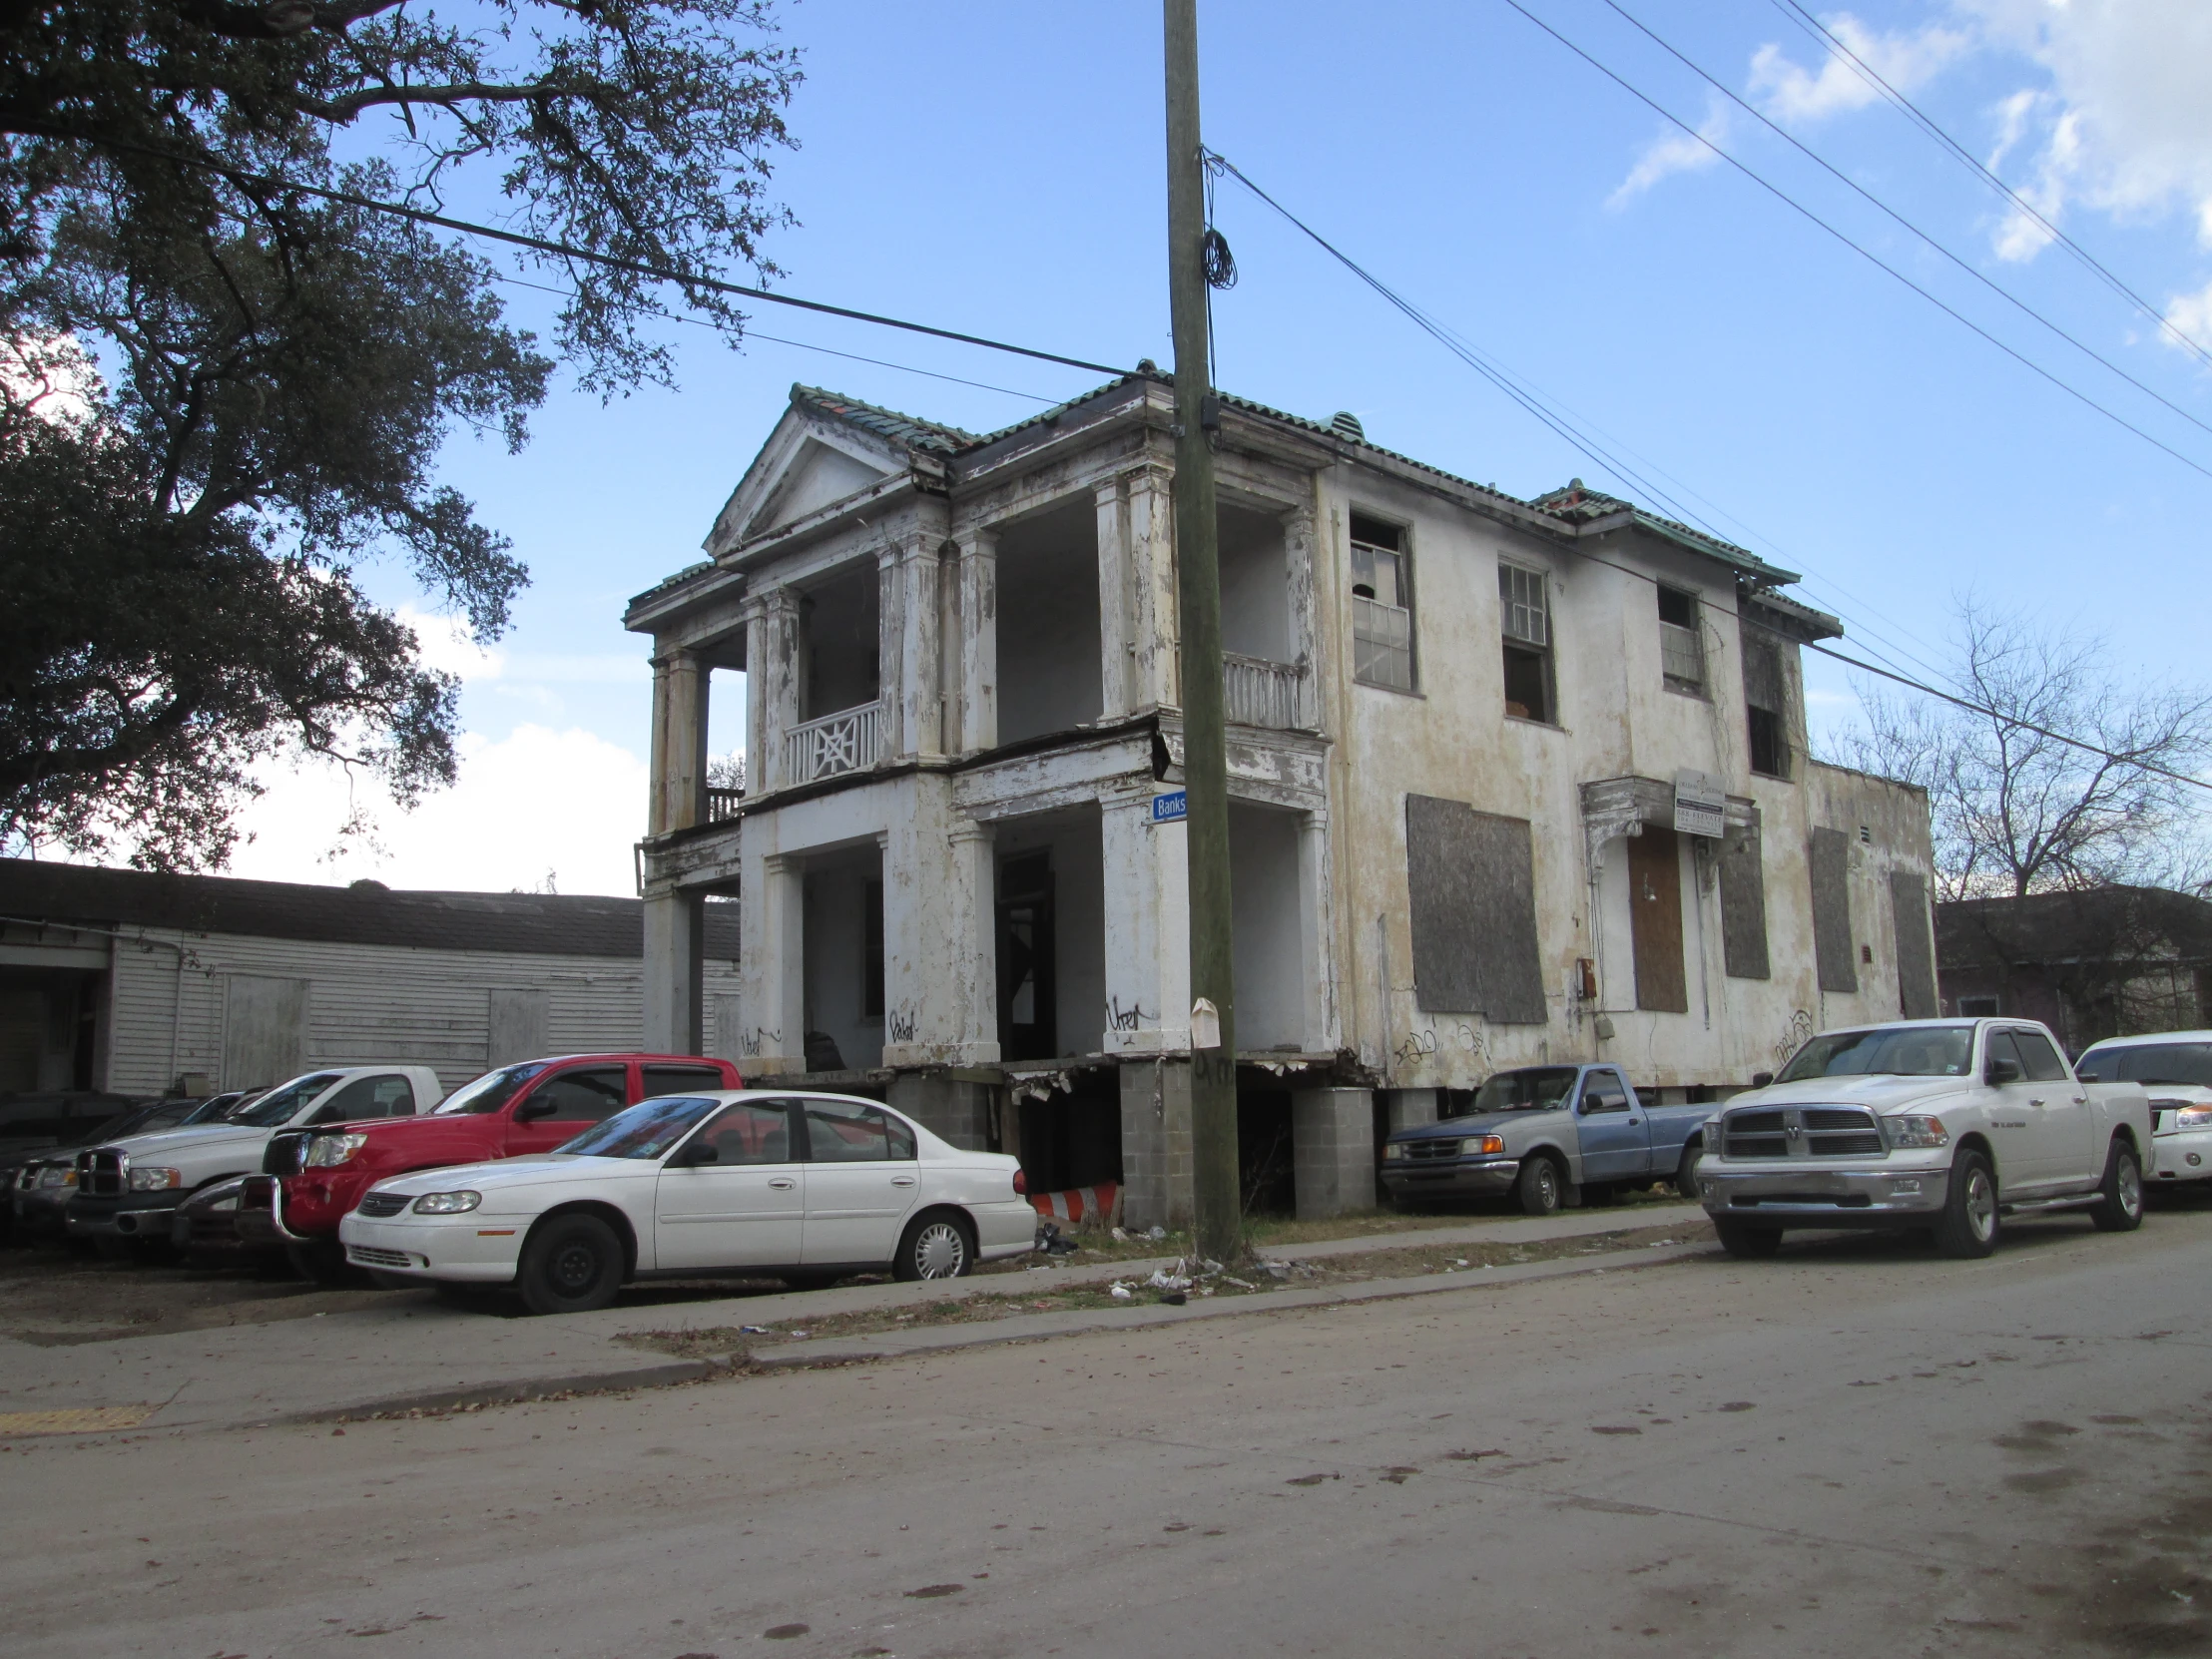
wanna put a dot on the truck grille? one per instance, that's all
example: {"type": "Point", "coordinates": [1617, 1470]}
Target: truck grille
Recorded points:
{"type": "Point", "coordinates": [384, 1204]}
{"type": "Point", "coordinates": [100, 1174]}
{"type": "Point", "coordinates": [1801, 1132]}
{"type": "Point", "coordinates": [1417, 1150]}
{"type": "Point", "coordinates": [286, 1154]}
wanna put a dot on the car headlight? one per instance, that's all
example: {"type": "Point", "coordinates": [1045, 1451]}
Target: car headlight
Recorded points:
{"type": "Point", "coordinates": [329, 1151]}
{"type": "Point", "coordinates": [1393, 1151]}
{"type": "Point", "coordinates": [2194, 1117]}
{"type": "Point", "coordinates": [57, 1174]}
{"type": "Point", "coordinates": [447, 1204]}
{"type": "Point", "coordinates": [1478, 1146]}
{"type": "Point", "coordinates": [1908, 1133]}
{"type": "Point", "coordinates": [152, 1178]}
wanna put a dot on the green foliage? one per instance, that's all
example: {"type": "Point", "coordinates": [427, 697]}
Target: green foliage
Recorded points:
{"type": "Point", "coordinates": [221, 395]}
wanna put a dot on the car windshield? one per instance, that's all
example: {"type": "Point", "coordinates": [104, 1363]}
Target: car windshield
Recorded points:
{"type": "Point", "coordinates": [642, 1131]}
{"type": "Point", "coordinates": [1886, 1051]}
{"type": "Point", "coordinates": [280, 1103]}
{"type": "Point", "coordinates": [1530, 1089]}
{"type": "Point", "coordinates": [490, 1091]}
{"type": "Point", "coordinates": [2189, 1063]}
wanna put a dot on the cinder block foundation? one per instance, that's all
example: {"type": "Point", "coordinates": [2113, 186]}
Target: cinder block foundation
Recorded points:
{"type": "Point", "coordinates": [1332, 1132]}
{"type": "Point", "coordinates": [1155, 1165]}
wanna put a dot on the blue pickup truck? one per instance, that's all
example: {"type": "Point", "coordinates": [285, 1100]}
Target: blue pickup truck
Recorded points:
{"type": "Point", "coordinates": [1545, 1134]}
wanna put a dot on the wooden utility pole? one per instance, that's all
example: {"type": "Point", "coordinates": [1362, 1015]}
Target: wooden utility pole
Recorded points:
{"type": "Point", "coordinates": [1205, 758]}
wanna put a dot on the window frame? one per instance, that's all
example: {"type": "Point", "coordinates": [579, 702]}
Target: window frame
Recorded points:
{"type": "Point", "coordinates": [1406, 613]}
{"type": "Point", "coordinates": [1694, 606]}
{"type": "Point", "coordinates": [1511, 644]}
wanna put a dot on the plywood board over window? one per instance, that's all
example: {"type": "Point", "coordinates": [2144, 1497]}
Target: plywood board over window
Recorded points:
{"type": "Point", "coordinates": [517, 1022]}
{"type": "Point", "coordinates": [1655, 919]}
{"type": "Point", "coordinates": [1915, 958]}
{"type": "Point", "coordinates": [1471, 881]}
{"type": "Point", "coordinates": [1742, 901]}
{"type": "Point", "coordinates": [1832, 949]}
{"type": "Point", "coordinates": [264, 1030]}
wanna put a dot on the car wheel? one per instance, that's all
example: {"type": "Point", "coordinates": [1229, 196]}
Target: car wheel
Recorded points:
{"type": "Point", "coordinates": [2121, 1208]}
{"type": "Point", "coordinates": [937, 1246]}
{"type": "Point", "coordinates": [572, 1265]}
{"type": "Point", "coordinates": [1740, 1237]}
{"type": "Point", "coordinates": [1968, 1224]}
{"type": "Point", "coordinates": [1685, 1173]}
{"type": "Point", "coordinates": [1539, 1188]}
{"type": "Point", "coordinates": [320, 1261]}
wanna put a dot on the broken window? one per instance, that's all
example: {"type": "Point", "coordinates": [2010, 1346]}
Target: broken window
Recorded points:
{"type": "Point", "coordinates": [1681, 645]}
{"type": "Point", "coordinates": [1382, 606]}
{"type": "Point", "coordinates": [1764, 707]}
{"type": "Point", "coordinates": [1527, 630]}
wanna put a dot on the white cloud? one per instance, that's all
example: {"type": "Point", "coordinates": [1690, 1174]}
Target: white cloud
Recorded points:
{"type": "Point", "coordinates": [448, 644]}
{"type": "Point", "coordinates": [1675, 151]}
{"type": "Point", "coordinates": [537, 802]}
{"type": "Point", "coordinates": [1907, 60]}
{"type": "Point", "coordinates": [2192, 314]}
{"type": "Point", "coordinates": [2124, 125]}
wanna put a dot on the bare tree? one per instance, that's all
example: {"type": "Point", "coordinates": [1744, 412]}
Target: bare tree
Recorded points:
{"type": "Point", "coordinates": [2015, 810]}
{"type": "Point", "coordinates": [726, 771]}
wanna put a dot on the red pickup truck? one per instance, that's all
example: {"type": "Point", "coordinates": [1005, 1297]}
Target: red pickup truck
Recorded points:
{"type": "Point", "coordinates": [311, 1178]}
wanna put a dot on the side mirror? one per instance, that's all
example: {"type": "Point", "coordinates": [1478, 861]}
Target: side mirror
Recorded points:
{"type": "Point", "coordinates": [699, 1152]}
{"type": "Point", "coordinates": [532, 1110]}
{"type": "Point", "coordinates": [1759, 1079]}
{"type": "Point", "coordinates": [2003, 1071]}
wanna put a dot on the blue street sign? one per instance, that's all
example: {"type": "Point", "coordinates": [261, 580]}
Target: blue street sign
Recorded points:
{"type": "Point", "coordinates": [1171, 808]}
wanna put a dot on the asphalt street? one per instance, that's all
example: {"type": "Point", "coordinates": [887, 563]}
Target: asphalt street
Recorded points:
{"type": "Point", "coordinates": [1857, 1448]}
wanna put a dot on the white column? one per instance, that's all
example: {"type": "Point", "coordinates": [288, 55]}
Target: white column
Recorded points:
{"type": "Point", "coordinates": [1148, 957]}
{"type": "Point", "coordinates": [772, 964]}
{"type": "Point", "coordinates": [757, 762]}
{"type": "Point", "coordinates": [1298, 562]}
{"type": "Point", "coordinates": [1113, 599]}
{"type": "Point", "coordinates": [1315, 928]}
{"type": "Point", "coordinates": [678, 764]}
{"type": "Point", "coordinates": [917, 691]}
{"type": "Point", "coordinates": [978, 640]}
{"type": "Point", "coordinates": [779, 677]}
{"type": "Point", "coordinates": [891, 654]}
{"type": "Point", "coordinates": [673, 965]}
{"type": "Point", "coordinates": [971, 882]}
{"type": "Point", "coordinates": [1150, 544]}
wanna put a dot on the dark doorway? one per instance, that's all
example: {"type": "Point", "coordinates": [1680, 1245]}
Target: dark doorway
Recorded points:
{"type": "Point", "coordinates": [1655, 919]}
{"type": "Point", "coordinates": [1266, 1168]}
{"type": "Point", "coordinates": [1074, 1139]}
{"type": "Point", "coordinates": [1026, 946]}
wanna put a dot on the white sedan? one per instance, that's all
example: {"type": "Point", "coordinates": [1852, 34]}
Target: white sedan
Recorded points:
{"type": "Point", "coordinates": [754, 1182]}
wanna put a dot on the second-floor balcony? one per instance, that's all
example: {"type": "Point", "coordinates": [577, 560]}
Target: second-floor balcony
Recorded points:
{"type": "Point", "coordinates": [848, 740]}
{"type": "Point", "coordinates": [1256, 692]}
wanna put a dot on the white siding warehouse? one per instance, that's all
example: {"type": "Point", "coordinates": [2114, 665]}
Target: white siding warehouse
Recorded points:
{"type": "Point", "coordinates": [135, 983]}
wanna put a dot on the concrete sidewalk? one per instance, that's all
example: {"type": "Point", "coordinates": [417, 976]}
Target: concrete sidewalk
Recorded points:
{"type": "Point", "coordinates": [410, 1350]}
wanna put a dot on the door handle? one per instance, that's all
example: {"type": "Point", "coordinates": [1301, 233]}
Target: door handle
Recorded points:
{"type": "Point", "coordinates": [1632, 1122]}
{"type": "Point", "coordinates": [902, 1180]}
{"type": "Point", "coordinates": [2035, 1100]}
{"type": "Point", "coordinates": [782, 1182]}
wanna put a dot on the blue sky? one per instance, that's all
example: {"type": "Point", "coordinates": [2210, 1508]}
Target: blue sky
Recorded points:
{"type": "Point", "coordinates": [998, 169]}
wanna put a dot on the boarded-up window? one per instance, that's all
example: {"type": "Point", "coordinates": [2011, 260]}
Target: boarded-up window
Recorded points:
{"type": "Point", "coordinates": [265, 1031]}
{"type": "Point", "coordinates": [1832, 951]}
{"type": "Point", "coordinates": [1472, 879]}
{"type": "Point", "coordinates": [1916, 963]}
{"type": "Point", "coordinates": [1742, 901]}
{"type": "Point", "coordinates": [1655, 919]}
{"type": "Point", "coordinates": [517, 1024]}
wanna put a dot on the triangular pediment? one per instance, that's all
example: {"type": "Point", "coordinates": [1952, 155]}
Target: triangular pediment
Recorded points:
{"type": "Point", "coordinates": [807, 464]}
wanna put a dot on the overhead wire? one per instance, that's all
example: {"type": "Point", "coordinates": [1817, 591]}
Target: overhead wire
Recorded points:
{"type": "Point", "coordinates": [1866, 195]}
{"type": "Point", "coordinates": [803, 345]}
{"type": "Point", "coordinates": [1862, 252]}
{"type": "Point", "coordinates": [1832, 42]}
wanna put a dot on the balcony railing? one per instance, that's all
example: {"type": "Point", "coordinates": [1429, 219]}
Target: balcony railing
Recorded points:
{"type": "Point", "coordinates": [847, 741]}
{"type": "Point", "coordinates": [723, 804]}
{"type": "Point", "coordinates": [1256, 692]}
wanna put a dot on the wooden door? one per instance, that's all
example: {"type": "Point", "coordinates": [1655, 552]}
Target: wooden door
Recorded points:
{"type": "Point", "coordinates": [1655, 914]}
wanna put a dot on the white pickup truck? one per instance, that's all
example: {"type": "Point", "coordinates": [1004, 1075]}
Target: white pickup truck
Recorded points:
{"type": "Point", "coordinates": [1939, 1125]}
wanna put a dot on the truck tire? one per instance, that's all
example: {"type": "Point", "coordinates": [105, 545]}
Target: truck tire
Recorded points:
{"type": "Point", "coordinates": [322, 1262]}
{"type": "Point", "coordinates": [1542, 1189]}
{"type": "Point", "coordinates": [1685, 1173]}
{"type": "Point", "coordinates": [2120, 1209]}
{"type": "Point", "coordinates": [572, 1265]}
{"type": "Point", "coordinates": [1741, 1238]}
{"type": "Point", "coordinates": [1968, 1224]}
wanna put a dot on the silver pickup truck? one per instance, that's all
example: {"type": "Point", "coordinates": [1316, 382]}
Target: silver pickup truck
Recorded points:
{"type": "Point", "coordinates": [1545, 1134]}
{"type": "Point", "coordinates": [1939, 1125]}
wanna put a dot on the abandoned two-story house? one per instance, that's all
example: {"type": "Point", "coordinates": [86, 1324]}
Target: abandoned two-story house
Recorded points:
{"type": "Point", "coordinates": [1511, 782]}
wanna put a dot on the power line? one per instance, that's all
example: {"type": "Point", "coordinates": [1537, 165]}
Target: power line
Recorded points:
{"type": "Point", "coordinates": [803, 345]}
{"type": "Point", "coordinates": [1865, 253]}
{"type": "Point", "coordinates": [1845, 179]}
{"type": "Point", "coordinates": [1912, 112]}
{"type": "Point", "coordinates": [636, 267]}
{"type": "Point", "coordinates": [2013, 721]}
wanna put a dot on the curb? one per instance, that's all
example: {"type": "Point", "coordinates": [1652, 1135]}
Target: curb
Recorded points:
{"type": "Point", "coordinates": [514, 1394]}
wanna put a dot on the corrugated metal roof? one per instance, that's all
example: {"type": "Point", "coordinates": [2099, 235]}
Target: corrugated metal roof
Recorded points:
{"type": "Point", "coordinates": [555, 924]}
